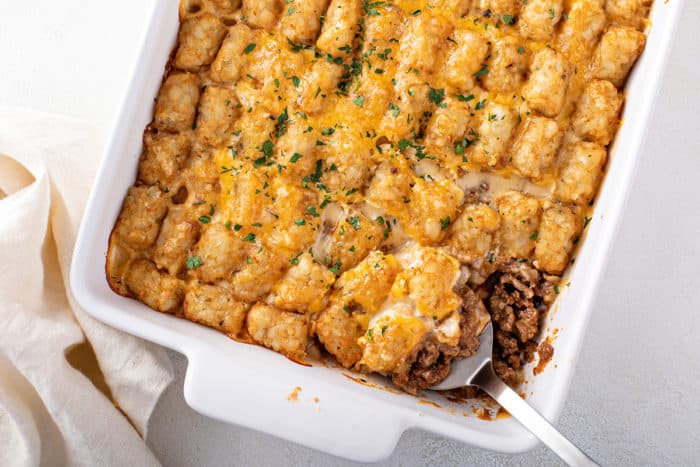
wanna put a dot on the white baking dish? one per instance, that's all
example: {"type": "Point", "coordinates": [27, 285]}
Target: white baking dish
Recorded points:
{"type": "Point", "coordinates": [251, 386]}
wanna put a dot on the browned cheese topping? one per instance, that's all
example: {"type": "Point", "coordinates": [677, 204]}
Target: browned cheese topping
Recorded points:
{"type": "Point", "coordinates": [375, 179]}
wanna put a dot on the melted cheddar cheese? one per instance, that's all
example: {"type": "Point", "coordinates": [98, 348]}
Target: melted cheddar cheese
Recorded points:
{"type": "Point", "coordinates": [337, 170]}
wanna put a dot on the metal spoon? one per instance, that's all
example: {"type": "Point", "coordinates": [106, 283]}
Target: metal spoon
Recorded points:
{"type": "Point", "coordinates": [478, 371]}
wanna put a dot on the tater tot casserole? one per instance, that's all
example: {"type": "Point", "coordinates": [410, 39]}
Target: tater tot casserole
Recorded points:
{"type": "Point", "coordinates": [376, 180]}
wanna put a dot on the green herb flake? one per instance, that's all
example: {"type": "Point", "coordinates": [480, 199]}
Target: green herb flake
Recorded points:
{"type": "Point", "coordinates": [394, 110]}
{"type": "Point", "coordinates": [436, 95]}
{"type": "Point", "coordinates": [249, 238]}
{"type": "Point", "coordinates": [249, 48]}
{"type": "Point", "coordinates": [300, 221]}
{"type": "Point", "coordinates": [359, 101]}
{"type": "Point", "coordinates": [509, 19]}
{"type": "Point", "coordinates": [335, 269]}
{"type": "Point", "coordinates": [295, 259]}
{"type": "Point", "coordinates": [483, 71]}
{"type": "Point", "coordinates": [355, 222]}
{"type": "Point", "coordinates": [534, 235]}
{"type": "Point", "coordinates": [462, 98]}
{"type": "Point", "coordinates": [445, 223]}
{"type": "Point", "coordinates": [193, 262]}
{"type": "Point", "coordinates": [205, 219]}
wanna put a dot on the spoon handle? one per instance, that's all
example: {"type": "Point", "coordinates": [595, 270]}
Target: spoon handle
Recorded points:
{"type": "Point", "coordinates": [487, 380]}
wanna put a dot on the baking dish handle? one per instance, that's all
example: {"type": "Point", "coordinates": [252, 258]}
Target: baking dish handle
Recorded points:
{"type": "Point", "coordinates": [311, 410]}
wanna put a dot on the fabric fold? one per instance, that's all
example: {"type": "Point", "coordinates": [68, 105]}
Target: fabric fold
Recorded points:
{"type": "Point", "coordinates": [47, 165]}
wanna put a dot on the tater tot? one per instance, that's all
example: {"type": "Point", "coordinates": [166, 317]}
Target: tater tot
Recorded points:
{"type": "Point", "coordinates": [596, 115]}
{"type": "Point", "coordinates": [215, 307]}
{"type": "Point", "coordinates": [139, 222]}
{"type": "Point", "coordinates": [558, 229]}
{"type": "Point", "coordinates": [538, 18]}
{"type": "Point", "coordinates": [159, 291]}
{"type": "Point", "coordinates": [176, 105]}
{"type": "Point", "coordinates": [536, 146]}
{"type": "Point", "coordinates": [301, 22]}
{"type": "Point", "coordinates": [581, 167]}
{"type": "Point", "coordinates": [546, 88]}
{"type": "Point", "coordinates": [261, 13]}
{"type": "Point", "coordinates": [520, 218]}
{"type": "Point", "coordinates": [617, 51]}
{"type": "Point", "coordinates": [200, 38]}
{"type": "Point", "coordinates": [282, 331]}
{"type": "Point", "coordinates": [339, 27]}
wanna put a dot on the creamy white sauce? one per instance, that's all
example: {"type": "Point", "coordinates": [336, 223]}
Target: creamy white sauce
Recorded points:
{"type": "Point", "coordinates": [498, 184]}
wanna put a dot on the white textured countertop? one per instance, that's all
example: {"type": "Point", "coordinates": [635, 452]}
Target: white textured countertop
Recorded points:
{"type": "Point", "coordinates": [635, 398]}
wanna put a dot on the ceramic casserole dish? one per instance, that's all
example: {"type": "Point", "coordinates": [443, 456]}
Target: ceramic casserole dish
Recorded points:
{"type": "Point", "coordinates": [354, 416]}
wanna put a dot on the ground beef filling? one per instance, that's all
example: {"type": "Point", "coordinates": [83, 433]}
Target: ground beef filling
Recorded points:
{"type": "Point", "coordinates": [517, 296]}
{"type": "Point", "coordinates": [430, 362]}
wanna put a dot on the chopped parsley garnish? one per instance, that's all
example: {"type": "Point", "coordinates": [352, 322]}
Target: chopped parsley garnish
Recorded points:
{"type": "Point", "coordinates": [327, 131]}
{"type": "Point", "coordinates": [249, 238]}
{"type": "Point", "coordinates": [483, 71]}
{"type": "Point", "coordinates": [463, 144]}
{"type": "Point", "coordinates": [371, 8]}
{"type": "Point", "coordinates": [445, 223]}
{"type": "Point", "coordinates": [355, 222]}
{"type": "Point", "coordinates": [267, 149]}
{"type": "Point", "coordinates": [436, 96]}
{"type": "Point", "coordinates": [394, 110]}
{"type": "Point", "coordinates": [297, 47]}
{"type": "Point", "coordinates": [249, 48]}
{"type": "Point", "coordinates": [480, 105]}
{"type": "Point", "coordinates": [295, 158]}
{"type": "Point", "coordinates": [490, 257]}
{"type": "Point", "coordinates": [462, 98]}
{"type": "Point", "coordinates": [312, 210]}
{"type": "Point", "coordinates": [300, 221]}
{"type": "Point", "coordinates": [509, 19]}
{"type": "Point", "coordinates": [521, 49]}
{"type": "Point", "coordinates": [359, 101]}
{"type": "Point", "coordinates": [205, 219]}
{"type": "Point", "coordinates": [193, 262]}
{"type": "Point", "coordinates": [534, 235]}
{"type": "Point", "coordinates": [335, 269]}
{"type": "Point", "coordinates": [295, 259]}
{"type": "Point", "coordinates": [316, 176]}
{"type": "Point", "coordinates": [282, 123]}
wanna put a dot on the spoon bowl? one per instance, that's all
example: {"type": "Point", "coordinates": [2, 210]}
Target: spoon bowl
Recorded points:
{"type": "Point", "coordinates": [478, 371]}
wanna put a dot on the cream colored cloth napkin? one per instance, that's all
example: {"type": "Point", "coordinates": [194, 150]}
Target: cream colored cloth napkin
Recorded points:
{"type": "Point", "coordinates": [50, 412]}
